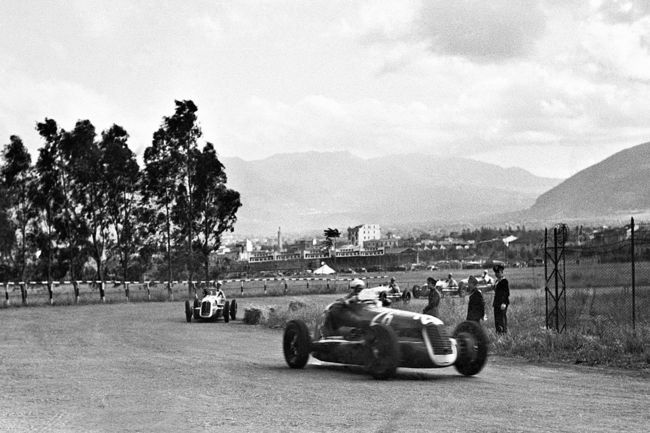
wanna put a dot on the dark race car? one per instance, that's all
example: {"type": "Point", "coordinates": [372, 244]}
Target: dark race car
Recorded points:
{"type": "Point", "coordinates": [212, 307]}
{"type": "Point", "coordinates": [382, 339]}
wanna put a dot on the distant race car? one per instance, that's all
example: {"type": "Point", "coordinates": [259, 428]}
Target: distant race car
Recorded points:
{"type": "Point", "coordinates": [484, 283]}
{"type": "Point", "coordinates": [382, 339]}
{"type": "Point", "coordinates": [211, 308]}
{"type": "Point", "coordinates": [380, 293]}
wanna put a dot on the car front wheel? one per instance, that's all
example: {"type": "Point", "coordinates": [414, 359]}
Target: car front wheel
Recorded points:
{"type": "Point", "coordinates": [472, 348]}
{"type": "Point", "coordinates": [383, 354]}
{"type": "Point", "coordinates": [296, 344]}
{"type": "Point", "coordinates": [188, 311]}
{"type": "Point", "coordinates": [226, 312]}
{"type": "Point", "coordinates": [233, 309]}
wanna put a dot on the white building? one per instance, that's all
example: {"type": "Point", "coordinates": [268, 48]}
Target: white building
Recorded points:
{"type": "Point", "coordinates": [364, 232]}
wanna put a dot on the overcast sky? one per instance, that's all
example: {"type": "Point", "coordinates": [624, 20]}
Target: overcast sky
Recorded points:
{"type": "Point", "coordinates": [551, 86]}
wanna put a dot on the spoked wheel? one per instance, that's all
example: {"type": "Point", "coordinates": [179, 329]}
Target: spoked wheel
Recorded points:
{"type": "Point", "coordinates": [197, 310]}
{"type": "Point", "coordinates": [233, 309]}
{"type": "Point", "coordinates": [417, 291]}
{"type": "Point", "coordinates": [188, 311]}
{"type": "Point", "coordinates": [226, 312]}
{"type": "Point", "coordinates": [296, 344]}
{"type": "Point", "coordinates": [472, 348]}
{"type": "Point", "coordinates": [383, 354]}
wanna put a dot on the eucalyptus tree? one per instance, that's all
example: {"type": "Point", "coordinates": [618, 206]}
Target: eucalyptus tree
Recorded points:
{"type": "Point", "coordinates": [81, 159]}
{"type": "Point", "coordinates": [121, 172]}
{"type": "Point", "coordinates": [170, 158]}
{"type": "Point", "coordinates": [215, 205]}
{"type": "Point", "coordinates": [18, 176]}
{"type": "Point", "coordinates": [7, 235]}
{"type": "Point", "coordinates": [160, 177]}
{"type": "Point", "coordinates": [48, 196]}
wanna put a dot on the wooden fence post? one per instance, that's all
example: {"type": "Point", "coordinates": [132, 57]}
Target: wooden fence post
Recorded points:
{"type": "Point", "coordinates": [148, 291]}
{"type": "Point", "coordinates": [50, 292]}
{"type": "Point", "coordinates": [7, 294]}
{"type": "Point", "coordinates": [126, 290]}
{"type": "Point", "coordinates": [102, 292]}
{"type": "Point", "coordinates": [264, 287]}
{"type": "Point", "coordinates": [241, 290]}
{"type": "Point", "coordinates": [286, 289]}
{"type": "Point", "coordinates": [75, 287]}
{"type": "Point", "coordinates": [23, 293]}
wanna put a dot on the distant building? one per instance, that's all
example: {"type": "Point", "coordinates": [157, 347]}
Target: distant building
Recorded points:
{"type": "Point", "coordinates": [359, 235]}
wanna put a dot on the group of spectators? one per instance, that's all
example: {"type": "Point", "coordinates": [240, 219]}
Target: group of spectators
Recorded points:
{"type": "Point", "coordinates": [476, 304]}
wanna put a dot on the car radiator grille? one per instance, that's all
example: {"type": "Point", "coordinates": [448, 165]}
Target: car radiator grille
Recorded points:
{"type": "Point", "coordinates": [205, 308]}
{"type": "Point", "coordinates": [439, 339]}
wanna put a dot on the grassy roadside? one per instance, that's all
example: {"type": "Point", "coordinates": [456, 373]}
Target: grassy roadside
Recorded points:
{"type": "Point", "coordinates": [592, 338]}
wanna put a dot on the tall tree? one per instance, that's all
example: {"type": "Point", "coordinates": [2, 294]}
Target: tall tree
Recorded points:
{"type": "Point", "coordinates": [121, 183]}
{"type": "Point", "coordinates": [162, 168]}
{"type": "Point", "coordinates": [81, 160]}
{"type": "Point", "coordinates": [48, 194]}
{"type": "Point", "coordinates": [18, 177]}
{"type": "Point", "coordinates": [215, 205]}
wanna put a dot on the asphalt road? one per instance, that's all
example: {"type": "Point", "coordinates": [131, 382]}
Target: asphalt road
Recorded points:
{"type": "Point", "coordinates": [141, 368]}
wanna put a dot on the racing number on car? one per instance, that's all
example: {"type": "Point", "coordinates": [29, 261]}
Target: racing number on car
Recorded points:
{"type": "Point", "coordinates": [384, 318]}
{"type": "Point", "coordinates": [424, 318]}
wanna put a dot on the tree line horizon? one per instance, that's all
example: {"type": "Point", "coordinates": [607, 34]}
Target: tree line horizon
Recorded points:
{"type": "Point", "coordinates": [86, 198]}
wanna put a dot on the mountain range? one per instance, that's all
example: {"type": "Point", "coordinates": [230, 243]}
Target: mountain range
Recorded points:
{"type": "Point", "coordinates": [302, 192]}
{"type": "Point", "coordinates": [614, 188]}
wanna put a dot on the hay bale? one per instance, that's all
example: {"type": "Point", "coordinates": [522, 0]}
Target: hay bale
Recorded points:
{"type": "Point", "coordinates": [296, 305]}
{"type": "Point", "coordinates": [252, 316]}
{"type": "Point", "coordinates": [257, 315]}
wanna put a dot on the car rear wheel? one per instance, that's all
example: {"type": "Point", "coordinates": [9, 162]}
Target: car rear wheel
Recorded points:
{"type": "Point", "coordinates": [472, 348]}
{"type": "Point", "coordinates": [197, 309]}
{"type": "Point", "coordinates": [417, 290]}
{"type": "Point", "coordinates": [296, 344]}
{"type": "Point", "coordinates": [406, 297]}
{"type": "Point", "coordinates": [233, 309]}
{"type": "Point", "coordinates": [383, 354]}
{"type": "Point", "coordinates": [188, 311]}
{"type": "Point", "coordinates": [226, 312]}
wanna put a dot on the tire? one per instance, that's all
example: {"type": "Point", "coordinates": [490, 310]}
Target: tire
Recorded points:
{"type": "Point", "coordinates": [406, 297]}
{"type": "Point", "coordinates": [417, 291]}
{"type": "Point", "coordinates": [188, 311]}
{"type": "Point", "coordinates": [472, 348]}
{"type": "Point", "coordinates": [233, 309]}
{"type": "Point", "coordinates": [226, 312]}
{"type": "Point", "coordinates": [296, 344]}
{"type": "Point", "coordinates": [195, 312]}
{"type": "Point", "coordinates": [383, 354]}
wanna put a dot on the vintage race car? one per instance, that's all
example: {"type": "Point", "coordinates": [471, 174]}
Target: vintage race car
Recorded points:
{"type": "Point", "coordinates": [485, 284]}
{"type": "Point", "coordinates": [382, 339]}
{"type": "Point", "coordinates": [380, 293]}
{"type": "Point", "coordinates": [211, 307]}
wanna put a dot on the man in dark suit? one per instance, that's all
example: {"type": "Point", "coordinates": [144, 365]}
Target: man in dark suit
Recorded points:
{"type": "Point", "coordinates": [476, 304]}
{"type": "Point", "coordinates": [501, 300]}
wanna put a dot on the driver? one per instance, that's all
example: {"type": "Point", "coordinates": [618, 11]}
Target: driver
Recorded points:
{"type": "Point", "coordinates": [219, 292]}
{"type": "Point", "coordinates": [450, 281]}
{"type": "Point", "coordinates": [394, 288]}
{"type": "Point", "coordinates": [340, 316]}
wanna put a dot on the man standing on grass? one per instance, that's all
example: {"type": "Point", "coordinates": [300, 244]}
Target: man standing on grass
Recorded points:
{"type": "Point", "coordinates": [501, 300]}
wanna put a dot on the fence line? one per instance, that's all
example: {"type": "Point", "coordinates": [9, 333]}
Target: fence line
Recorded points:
{"type": "Point", "coordinates": [9, 286]}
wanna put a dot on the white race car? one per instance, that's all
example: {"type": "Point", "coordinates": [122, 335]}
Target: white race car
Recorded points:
{"type": "Point", "coordinates": [212, 307]}
{"type": "Point", "coordinates": [383, 293]}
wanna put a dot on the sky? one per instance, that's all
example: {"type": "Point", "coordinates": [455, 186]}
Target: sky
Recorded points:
{"type": "Point", "coordinates": [551, 86]}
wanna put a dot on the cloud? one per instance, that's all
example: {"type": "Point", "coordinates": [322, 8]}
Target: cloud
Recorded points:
{"type": "Point", "coordinates": [492, 31]}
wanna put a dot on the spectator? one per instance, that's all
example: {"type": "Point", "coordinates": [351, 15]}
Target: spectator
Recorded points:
{"type": "Point", "coordinates": [450, 281]}
{"type": "Point", "coordinates": [476, 303]}
{"type": "Point", "coordinates": [501, 300]}
{"type": "Point", "coordinates": [433, 298]}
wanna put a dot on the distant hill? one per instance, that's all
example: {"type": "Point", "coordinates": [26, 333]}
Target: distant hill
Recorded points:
{"type": "Point", "coordinates": [313, 190]}
{"type": "Point", "coordinates": [616, 186]}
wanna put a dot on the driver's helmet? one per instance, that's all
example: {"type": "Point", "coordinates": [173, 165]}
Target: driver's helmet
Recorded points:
{"type": "Point", "coordinates": [357, 285]}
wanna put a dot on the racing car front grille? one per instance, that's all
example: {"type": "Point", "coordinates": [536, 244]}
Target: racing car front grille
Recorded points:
{"type": "Point", "coordinates": [440, 342]}
{"type": "Point", "coordinates": [205, 308]}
